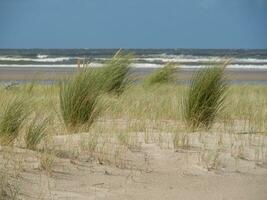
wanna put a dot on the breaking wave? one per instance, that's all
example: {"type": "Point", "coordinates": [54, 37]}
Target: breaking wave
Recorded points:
{"type": "Point", "coordinates": [40, 58]}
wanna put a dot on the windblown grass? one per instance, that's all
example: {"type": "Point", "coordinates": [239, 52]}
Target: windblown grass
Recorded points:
{"type": "Point", "coordinates": [115, 74]}
{"type": "Point", "coordinates": [79, 99]}
{"type": "Point", "coordinates": [14, 114]}
{"type": "Point", "coordinates": [165, 75]}
{"type": "Point", "coordinates": [244, 104]}
{"type": "Point", "coordinates": [35, 133]}
{"type": "Point", "coordinates": [164, 103]}
{"type": "Point", "coordinates": [205, 97]}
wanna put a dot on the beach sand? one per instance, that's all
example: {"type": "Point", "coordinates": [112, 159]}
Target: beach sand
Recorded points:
{"type": "Point", "coordinates": [205, 169]}
{"type": "Point", "coordinates": [146, 161]}
{"type": "Point", "coordinates": [55, 73]}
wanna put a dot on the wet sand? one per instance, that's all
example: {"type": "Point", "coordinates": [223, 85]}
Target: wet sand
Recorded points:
{"type": "Point", "coordinates": [55, 73]}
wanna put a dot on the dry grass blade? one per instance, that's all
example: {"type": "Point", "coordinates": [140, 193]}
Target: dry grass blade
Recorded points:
{"type": "Point", "coordinates": [8, 191]}
{"type": "Point", "coordinates": [35, 133]}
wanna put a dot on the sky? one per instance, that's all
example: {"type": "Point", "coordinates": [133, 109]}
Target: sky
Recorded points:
{"type": "Point", "coordinates": [133, 24]}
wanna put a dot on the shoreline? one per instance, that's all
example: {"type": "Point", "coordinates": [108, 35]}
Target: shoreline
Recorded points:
{"type": "Point", "coordinates": [233, 66]}
{"type": "Point", "coordinates": [184, 74]}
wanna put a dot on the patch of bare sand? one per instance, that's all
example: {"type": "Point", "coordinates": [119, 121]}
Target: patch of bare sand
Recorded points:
{"type": "Point", "coordinates": [153, 173]}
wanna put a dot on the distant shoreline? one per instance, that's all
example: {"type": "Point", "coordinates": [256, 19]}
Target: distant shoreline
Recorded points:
{"type": "Point", "coordinates": [56, 73]}
{"type": "Point", "coordinates": [234, 66]}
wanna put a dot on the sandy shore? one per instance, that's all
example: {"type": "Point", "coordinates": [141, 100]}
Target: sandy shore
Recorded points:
{"type": "Point", "coordinates": [152, 171]}
{"type": "Point", "coordinates": [54, 73]}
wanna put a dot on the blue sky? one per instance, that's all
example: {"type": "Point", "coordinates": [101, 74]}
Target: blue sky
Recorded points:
{"type": "Point", "coordinates": [133, 23]}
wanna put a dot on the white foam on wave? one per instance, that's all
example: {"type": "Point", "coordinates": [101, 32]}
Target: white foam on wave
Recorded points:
{"type": "Point", "coordinates": [50, 65]}
{"type": "Point", "coordinates": [38, 59]}
{"type": "Point", "coordinates": [146, 65]}
{"type": "Point", "coordinates": [41, 56]}
{"type": "Point", "coordinates": [235, 66]}
{"type": "Point", "coordinates": [151, 59]}
{"type": "Point", "coordinates": [196, 59]}
{"type": "Point", "coordinates": [180, 58]}
{"type": "Point", "coordinates": [36, 66]}
{"type": "Point", "coordinates": [141, 65]}
{"type": "Point", "coordinates": [250, 60]}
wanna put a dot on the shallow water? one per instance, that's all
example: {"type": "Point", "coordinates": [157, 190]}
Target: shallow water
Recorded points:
{"type": "Point", "coordinates": [46, 65]}
{"type": "Point", "coordinates": [144, 58]}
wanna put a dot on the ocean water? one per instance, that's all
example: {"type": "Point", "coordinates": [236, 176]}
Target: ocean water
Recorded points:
{"type": "Point", "coordinates": [144, 58]}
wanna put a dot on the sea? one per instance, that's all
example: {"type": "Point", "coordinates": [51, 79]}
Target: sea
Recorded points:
{"type": "Point", "coordinates": [186, 58]}
{"type": "Point", "coordinates": [250, 61]}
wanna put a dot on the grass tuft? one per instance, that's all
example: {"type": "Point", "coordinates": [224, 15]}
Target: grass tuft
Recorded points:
{"type": "Point", "coordinates": [14, 114]}
{"type": "Point", "coordinates": [165, 75]}
{"type": "Point", "coordinates": [205, 97]}
{"type": "Point", "coordinates": [79, 99]}
{"type": "Point", "coordinates": [116, 73]}
{"type": "Point", "coordinates": [35, 133]}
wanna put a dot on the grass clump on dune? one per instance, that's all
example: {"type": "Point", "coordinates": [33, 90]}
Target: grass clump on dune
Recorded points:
{"type": "Point", "coordinates": [115, 73]}
{"type": "Point", "coordinates": [205, 97]}
{"type": "Point", "coordinates": [165, 75]}
{"type": "Point", "coordinates": [35, 133]}
{"type": "Point", "coordinates": [79, 99]}
{"type": "Point", "coordinates": [13, 115]}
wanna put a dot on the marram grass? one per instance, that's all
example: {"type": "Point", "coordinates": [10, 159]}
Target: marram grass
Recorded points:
{"type": "Point", "coordinates": [165, 75]}
{"type": "Point", "coordinates": [36, 132]}
{"type": "Point", "coordinates": [79, 99]}
{"type": "Point", "coordinates": [244, 103]}
{"type": "Point", "coordinates": [115, 73]}
{"type": "Point", "coordinates": [205, 97]}
{"type": "Point", "coordinates": [12, 117]}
